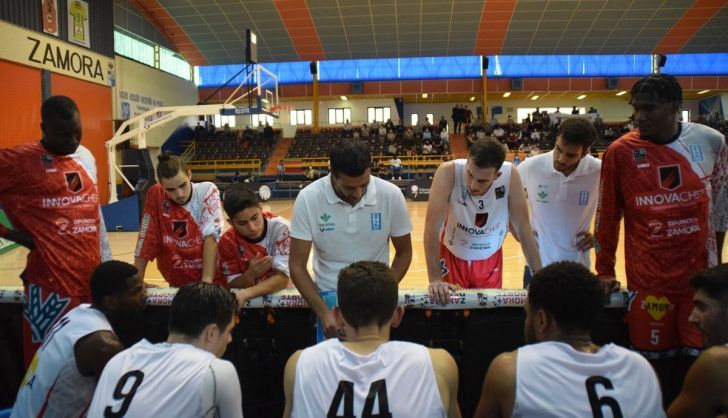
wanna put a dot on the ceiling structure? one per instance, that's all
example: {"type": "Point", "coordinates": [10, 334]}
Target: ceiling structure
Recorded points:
{"type": "Point", "coordinates": [212, 32]}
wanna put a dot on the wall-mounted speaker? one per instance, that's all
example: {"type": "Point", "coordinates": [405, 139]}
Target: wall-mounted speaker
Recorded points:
{"type": "Point", "coordinates": [357, 87]}
{"type": "Point", "coordinates": [485, 62]}
{"type": "Point", "coordinates": [612, 83]}
{"type": "Point", "coordinates": [517, 84]}
{"type": "Point", "coordinates": [313, 67]}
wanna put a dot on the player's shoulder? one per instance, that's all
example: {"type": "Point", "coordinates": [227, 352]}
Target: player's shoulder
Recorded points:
{"type": "Point", "coordinates": [206, 187]}
{"type": "Point", "coordinates": [716, 356]}
{"type": "Point", "coordinates": [703, 134]}
{"type": "Point", "coordinates": [84, 154]}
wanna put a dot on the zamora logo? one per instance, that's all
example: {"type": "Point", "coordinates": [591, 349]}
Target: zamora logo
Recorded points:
{"type": "Point", "coordinates": [542, 194]}
{"type": "Point", "coordinates": [325, 217]}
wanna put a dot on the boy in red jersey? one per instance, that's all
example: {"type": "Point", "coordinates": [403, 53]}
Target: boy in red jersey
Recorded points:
{"type": "Point", "coordinates": [181, 226]}
{"type": "Point", "coordinates": [48, 190]}
{"type": "Point", "coordinates": [254, 252]}
{"type": "Point", "coordinates": [661, 178]}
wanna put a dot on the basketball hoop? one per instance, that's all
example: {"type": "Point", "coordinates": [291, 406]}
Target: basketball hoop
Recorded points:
{"type": "Point", "coordinates": [281, 108]}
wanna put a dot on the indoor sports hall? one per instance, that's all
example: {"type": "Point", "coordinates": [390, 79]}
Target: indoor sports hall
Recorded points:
{"type": "Point", "coordinates": [257, 91]}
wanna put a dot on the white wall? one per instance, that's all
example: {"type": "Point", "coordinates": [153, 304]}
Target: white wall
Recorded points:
{"type": "Point", "coordinates": [169, 89]}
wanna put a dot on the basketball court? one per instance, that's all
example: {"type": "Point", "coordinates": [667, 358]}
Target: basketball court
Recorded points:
{"type": "Point", "coordinates": [123, 243]}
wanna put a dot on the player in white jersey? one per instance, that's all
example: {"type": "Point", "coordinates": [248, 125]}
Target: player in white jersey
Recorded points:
{"type": "Point", "coordinates": [471, 204]}
{"type": "Point", "coordinates": [705, 392]}
{"type": "Point", "coordinates": [562, 373]}
{"type": "Point", "coordinates": [182, 377]}
{"type": "Point", "coordinates": [563, 188]}
{"type": "Point", "coordinates": [346, 216]}
{"type": "Point", "coordinates": [62, 376]}
{"type": "Point", "coordinates": [367, 373]}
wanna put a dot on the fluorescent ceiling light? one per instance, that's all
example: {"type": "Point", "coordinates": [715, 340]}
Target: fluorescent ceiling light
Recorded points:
{"type": "Point", "coordinates": [535, 97]}
{"type": "Point", "coordinates": [507, 94]}
{"type": "Point", "coordinates": [344, 98]}
{"type": "Point", "coordinates": [472, 98]}
{"type": "Point", "coordinates": [424, 95]}
{"type": "Point", "coordinates": [622, 93]}
{"type": "Point", "coordinates": [581, 97]}
{"type": "Point", "coordinates": [703, 91]}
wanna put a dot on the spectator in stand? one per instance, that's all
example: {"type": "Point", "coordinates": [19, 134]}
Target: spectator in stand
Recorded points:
{"type": "Point", "coordinates": [427, 147]}
{"type": "Point", "coordinates": [445, 136]}
{"type": "Point", "coordinates": [281, 170]}
{"type": "Point", "coordinates": [392, 149]}
{"type": "Point", "coordinates": [389, 125]}
{"type": "Point", "coordinates": [426, 132]}
{"type": "Point", "coordinates": [391, 136]}
{"type": "Point", "coordinates": [443, 123]}
{"type": "Point", "coordinates": [260, 129]}
{"type": "Point", "coordinates": [382, 132]}
{"type": "Point", "coordinates": [437, 145]}
{"type": "Point", "coordinates": [467, 116]}
{"type": "Point", "coordinates": [509, 121]}
{"type": "Point", "coordinates": [574, 111]}
{"type": "Point", "coordinates": [268, 133]}
{"type": "Point", "coordinates": [591, 110]}
{"type": "Point", "coordinates": [499, 133]}
{"type": "Point", "coordinates": [472, 139]}
{"type": "Point", "coordinates": [396, 164]}
{"type": "Point", "coordinates": [427, 123]}
{"type": "Point", "coordinates": [400, 129]}
{"type": "Point", "coordinates": [456, 118]}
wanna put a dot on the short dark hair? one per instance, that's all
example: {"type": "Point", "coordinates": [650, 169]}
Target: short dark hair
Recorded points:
{"type": "Point", "coordinates": [109, 279]}
{"type": "Point", "coordinates": [487, 152]}
{"type": "Point", "coordinates": [198, 305]}
{"type": "Point", "coordinates": [570, 293]}
{"type": "Point", "coordinates": [351, 158]}
{"type": "Point", "coordinates": [238, 197]}
{"type": "Point", "coordinates": [578, 131]}
{"type": "Point", "coordinates": [169, 166]}
{"type": "Point", "coordinates": [61, 107]}
{"type": "Point", "coordinates": [367, 293]}
{"type": "Point", "coordinates": [714, 282]}
{"type": "Point", "coordinates": [662, 88]}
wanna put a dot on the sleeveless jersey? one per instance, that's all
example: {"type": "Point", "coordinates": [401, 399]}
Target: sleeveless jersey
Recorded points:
{"type": "Point", "coordinates": [476, 226]}
{"type": "Point", "coordinates": [54, 199]}
{"type": "Point", "coordinates": [162, 380]}
{"type": "Point", "coordinates": [236, 251]}
{"type": "Point", "coordinates": [53, 386]}
{"type": "Point", "coordinates": [397, 378]}
{"type": "Point", "coordinates": [665, 194]}
{"type": "Point", "coordinates": [174, 234]}
{"type": "Point", "coordinates": [555, 380]}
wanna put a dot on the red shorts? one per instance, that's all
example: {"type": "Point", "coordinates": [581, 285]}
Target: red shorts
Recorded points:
{"type": "Point", "coordinates": [658, 324]}
{"type": "Point", "coordinates": [41, 309]}
{"type": "Point", "coordinates": [475, 274]}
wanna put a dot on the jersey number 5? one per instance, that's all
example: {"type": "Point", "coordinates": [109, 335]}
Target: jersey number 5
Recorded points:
{"type": "Point", "coordinates": [136, 377]}
{"type": "Point", "coordinates": [345, 393]}
{"type": "Point", "coordinates": [598, 403]}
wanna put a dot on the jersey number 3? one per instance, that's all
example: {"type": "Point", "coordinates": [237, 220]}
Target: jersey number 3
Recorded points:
{"type": "Point", "coordinates": [136, 377]}
{"type": "Point", "coordinates": [598, 403]}
{"type": "Point", "coordinates": [345, 394]}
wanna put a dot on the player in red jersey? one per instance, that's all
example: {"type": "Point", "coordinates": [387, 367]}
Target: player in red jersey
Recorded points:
{"type": "Point", "coordinates": [181, 226]}
{"type": "Point", "coordinates": [660, 178]}
{"type": "Point", "coordinates": [254, 252]}
{"type": "Point", "coordinates": [48, 191]}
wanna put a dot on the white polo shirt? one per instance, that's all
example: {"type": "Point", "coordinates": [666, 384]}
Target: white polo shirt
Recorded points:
{"type": "Point", "coordinates": [343, 234]}
{"type": "Point", "coordinates": [561, 206]}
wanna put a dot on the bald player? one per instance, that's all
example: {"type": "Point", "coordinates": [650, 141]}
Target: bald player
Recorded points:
{"type": "Point", "coordinates": [562, 373]}
{"type": "Point", "coordinates": [48, 190]}
{"type": "Point", "coordinates": [705, 391]}
{"type": "Point", "coordinates": [367, 372]}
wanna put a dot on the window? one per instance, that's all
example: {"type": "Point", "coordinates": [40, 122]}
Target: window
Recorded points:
{"type": "Point", "coordinates": [431, 118]}
{"type": "Point", "coordinates": [134, 48]}
{"type": "Point", "coordinates": [414, 118]}
{"type": "Point", "coordinates": [301, 117]}
{"type": "Point", "coordinates": [339, 115]}
{"type": "Point", "coordinates": [254, 119]}
{"type": "Point", "coordinates": [380, 114]}
{"type": "Point", "coordinates": [685, 114]}
{"type": "Point", "coordinates": [523, 112]}
{"type": "Point", "coordinates": [221, 121]}
{"type": "Point", "coordinates": [173, 63]}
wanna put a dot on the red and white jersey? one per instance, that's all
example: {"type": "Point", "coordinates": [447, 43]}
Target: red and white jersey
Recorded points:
{"type": "Point", "coordinates": [476, 226]}
{"type": "Point", "coordinates": [664, 193]}
{"type": "Point", "coordinates": [54, 199]}
{"type": "Point", "coordinates": [53, 386]}
{"type": "Point", "coordinates": [174, 234]}
{"type": "Point", "coordinates": [236, 251]}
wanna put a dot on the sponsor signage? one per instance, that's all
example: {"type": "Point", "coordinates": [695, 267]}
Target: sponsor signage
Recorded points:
{"type": "Point", "coordinates": [41, 51]}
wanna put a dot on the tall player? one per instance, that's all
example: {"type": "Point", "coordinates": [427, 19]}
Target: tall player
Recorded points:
{"type": "Point", "coordinates": [705, 393]}
{"type": "Point", "coordinates": [471, 203]}
{"type": "Point", "coordinates": [182, 377]}
{"type": "Point", "coordinates": [62, 377]}
{"type": "Point", "coordinates": [563, 188]}
{"type": "Point", "coordinates": [658, 177]}
{"type": "Point", "coordinates": [48, 190]}
{"type": "Point", "coordinates": [562, 373]}
{"type": "Point", "coordinates": [367, 372]}
{"type": "Point", "coordinates": [181, 226]}
{"type": "Point", "coordinates": [254, 252]}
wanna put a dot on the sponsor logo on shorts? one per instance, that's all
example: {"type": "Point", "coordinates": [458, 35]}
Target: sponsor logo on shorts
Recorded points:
{"type": "Point", "coordinates": [657, 307]}
{"type": "Point", "coordinates": [670, 178]}
{"type": "Point", "coordinates": [73, 181]}
{"type": "Point", "coordinates": [376, 221]}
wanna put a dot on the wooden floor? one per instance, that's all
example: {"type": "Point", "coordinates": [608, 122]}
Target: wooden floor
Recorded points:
{"type": "Point", "coordinates": [123, 243]}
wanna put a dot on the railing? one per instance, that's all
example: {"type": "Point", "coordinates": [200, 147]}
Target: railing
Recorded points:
{"type": "Point", "coordinates": [245, 163]}
{"type": "Point", "coordinates": [189, 153]}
